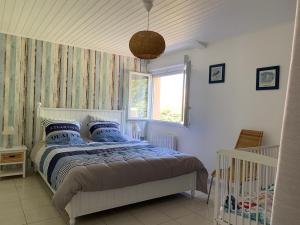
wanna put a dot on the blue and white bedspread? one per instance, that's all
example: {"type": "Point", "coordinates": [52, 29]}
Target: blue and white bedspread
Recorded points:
{"type": "Point", "coordinates": [102, 166]}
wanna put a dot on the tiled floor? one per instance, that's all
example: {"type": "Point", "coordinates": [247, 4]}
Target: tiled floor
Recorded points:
{"type": "Point", "coordinates": [28, 201]}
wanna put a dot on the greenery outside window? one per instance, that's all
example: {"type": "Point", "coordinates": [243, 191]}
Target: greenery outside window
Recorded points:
{"type": "Point", "coordinates": [139, 96]}
{"type": "Point", "coordinates": [168, 92]}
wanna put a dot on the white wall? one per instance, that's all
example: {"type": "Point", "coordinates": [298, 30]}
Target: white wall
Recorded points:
{"type": "Point", "coordinates": [220, 111]}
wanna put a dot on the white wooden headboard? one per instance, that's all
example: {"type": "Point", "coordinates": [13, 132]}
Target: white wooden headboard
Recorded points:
{"type": "Point", "coordinates": [80, 115]}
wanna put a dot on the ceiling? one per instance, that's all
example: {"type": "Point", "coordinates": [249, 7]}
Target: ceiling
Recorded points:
{"type": "Point", "coordinates": [107, 25]}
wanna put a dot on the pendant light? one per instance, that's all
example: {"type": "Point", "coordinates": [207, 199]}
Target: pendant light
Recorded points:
{"type": "Point", "coordinates": [147, 44]}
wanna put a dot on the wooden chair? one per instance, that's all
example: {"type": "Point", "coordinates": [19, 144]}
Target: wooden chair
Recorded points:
{"type": "Point", "coordinates": [247, 138]}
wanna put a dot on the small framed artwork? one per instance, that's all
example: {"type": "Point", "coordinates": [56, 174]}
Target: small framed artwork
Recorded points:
{"type": "Point", "coordinates": [217, 73]}
{"type": "Point", "coordinates": [267, 78]}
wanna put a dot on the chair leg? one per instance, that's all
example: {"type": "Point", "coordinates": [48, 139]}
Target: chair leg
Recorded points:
{"type": "Point", "coordinates": [211, 181]}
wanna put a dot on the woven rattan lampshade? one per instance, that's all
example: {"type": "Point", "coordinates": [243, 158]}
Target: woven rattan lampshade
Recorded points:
{"type": "Point", "coordinates": [147, 44]}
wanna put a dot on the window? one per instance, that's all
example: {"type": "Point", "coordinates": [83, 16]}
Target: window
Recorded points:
{"type": "Point", "coordinates": [162, 95]}
{"type": "Point", "coordinates": [139, 96]}
{"type": "Point", "coordinates": [167, 100]}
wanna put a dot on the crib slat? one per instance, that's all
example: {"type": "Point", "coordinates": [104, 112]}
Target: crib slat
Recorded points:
{"type": "Point", "coordinates": [237, 182]}
{"type": "Point", "coordinates": [243, 190]}
{"type": "Point", "coordinates": [227, 180]}
{"type": "Point", "coordinates": [224, 184]}
{"type": "Point", "coordinates": [257, 191]}
{"type": "Point", "coordinates": [217, 189]}
{"type": "Point", "coordinates": [266, 195]}
{"type": "Point", "coordinates": [250, 191]}
{"type": "Point", "coordinates": [229, 189]}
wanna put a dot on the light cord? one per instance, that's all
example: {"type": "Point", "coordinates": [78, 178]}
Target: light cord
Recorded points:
{"type": "Point", "coordinates": [148, 22]}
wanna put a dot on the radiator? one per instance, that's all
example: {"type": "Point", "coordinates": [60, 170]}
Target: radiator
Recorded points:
{"type": "Point", "coordinates": [163, 140]}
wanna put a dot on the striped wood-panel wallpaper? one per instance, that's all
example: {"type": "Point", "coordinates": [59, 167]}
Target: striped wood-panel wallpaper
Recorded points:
{"type": "Point", "coordinates": [33, 71]}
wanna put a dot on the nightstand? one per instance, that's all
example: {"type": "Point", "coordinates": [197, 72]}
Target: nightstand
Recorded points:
{"type": "Point", "coordinates": [13, 161]}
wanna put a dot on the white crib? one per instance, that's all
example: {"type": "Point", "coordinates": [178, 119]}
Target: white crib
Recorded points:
{"type": "Point", "coordinates": [244, 185]}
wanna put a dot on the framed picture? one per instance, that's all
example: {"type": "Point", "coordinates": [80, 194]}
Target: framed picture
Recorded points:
{"type": "Point", "coordinates": [217, 73]}
{"type": "Point", "coordinates": [267, 78]}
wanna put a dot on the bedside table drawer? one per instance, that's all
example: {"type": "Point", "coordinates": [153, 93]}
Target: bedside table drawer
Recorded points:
{"type": "Point", "coordinates": [11, 157]}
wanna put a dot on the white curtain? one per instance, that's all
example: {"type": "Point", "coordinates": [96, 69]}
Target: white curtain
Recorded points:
{"type": "Point", "coordinates": [286, 208]}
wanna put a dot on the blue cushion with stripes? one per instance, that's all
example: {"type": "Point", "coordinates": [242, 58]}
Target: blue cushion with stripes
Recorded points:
{"type": "Point", "coordinates": [105, 131]}
{"type": "Point", "coordinates": [62, 132]}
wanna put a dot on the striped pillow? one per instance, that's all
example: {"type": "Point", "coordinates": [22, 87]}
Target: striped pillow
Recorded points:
{"type": "Point", "coordinates": [59, 132]}
{"type": "Point", "coordinates": [105, 131]}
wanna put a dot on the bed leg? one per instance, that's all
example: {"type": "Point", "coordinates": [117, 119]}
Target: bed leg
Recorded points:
{"type": "Point", "coordinates": [72, 221]}
{"type": "Point", "coordinates": [34, 169]}
{"type": "Point", "coordinates": [193, 193]}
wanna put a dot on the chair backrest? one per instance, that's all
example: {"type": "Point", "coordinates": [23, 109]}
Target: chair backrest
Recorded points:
{"type": "Point", "coordinates": [249, 138]}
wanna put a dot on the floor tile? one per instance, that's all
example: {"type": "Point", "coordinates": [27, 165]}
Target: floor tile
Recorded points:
{"type": "Point", "coordinates": [193, 219]}
{"type": "Point", "coordinates": [35, 203]}
{"type": "Point", "coordinates": [40, 214]}
{"type": "Point", "coordinates": [173, 222]}
{"type": "Point", "coordinates": [124, 218]}
{"type": "Point", "coordinates": [150, 216]}
{"type": "Point", "coordinates": [195, 205]}
{"type": "Point", "coordinates": [206, 212]}
{"type": "Point", "coordinates": [28, 186]}
{"type": "Point", "coordinates": [31, 193]}
{"type": "Point", "coordinates": [173, 209]}
{"type": "Point", "coordinates": [10, 208]}
{"type": "Point", "coordinates": [55, 221]}
{"type": "Point", "coordinates": [13, 219]}
{"type": "Point", "coordinates": [7, 185]}
{"type": "Point", "coordinates": [33, 181]}
{"type": "Point", "coordinates": [6, 197]}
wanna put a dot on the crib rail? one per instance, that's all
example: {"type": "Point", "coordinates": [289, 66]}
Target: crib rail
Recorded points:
{"type": "Point", "coordinates": [271, 151]}
{"type": "Point", "coordinates": [243, 189]}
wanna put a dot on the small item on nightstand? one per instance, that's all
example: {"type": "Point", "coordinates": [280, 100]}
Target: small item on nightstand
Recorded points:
{"type": "Point", "coordinates": [8, 131]}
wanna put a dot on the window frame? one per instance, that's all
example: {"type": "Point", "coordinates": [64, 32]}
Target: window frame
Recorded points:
{"type": "Point", "coordinates": [163, 72]}
{"type": "Point", "coordinates": [149, 112]}
{"type": "Point", "coordinates": [184, 68]}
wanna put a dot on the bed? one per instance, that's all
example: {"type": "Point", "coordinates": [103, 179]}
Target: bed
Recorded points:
{"type": "Point", "coordinates": [93, 177]}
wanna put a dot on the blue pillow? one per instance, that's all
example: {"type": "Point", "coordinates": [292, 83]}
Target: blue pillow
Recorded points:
{"type": "Point", "coordinates": [62, 132]}
{"type": "Point", "coordinates": [105, 131]}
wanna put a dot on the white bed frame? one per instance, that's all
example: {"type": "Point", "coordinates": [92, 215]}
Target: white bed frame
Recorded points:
{"type": "Point", "coordinates": [89, 202]}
